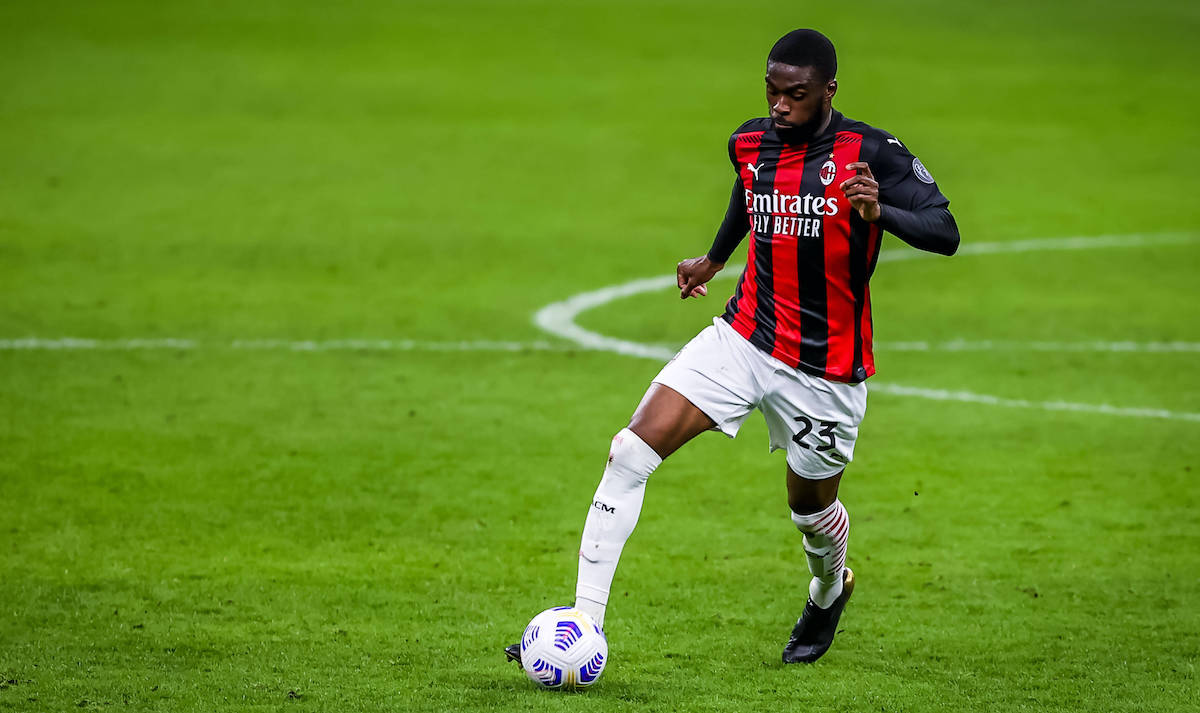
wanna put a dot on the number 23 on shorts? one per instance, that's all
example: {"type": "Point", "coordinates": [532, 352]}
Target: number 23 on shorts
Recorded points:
{"type": "Point", "coordinates": [825, 432]}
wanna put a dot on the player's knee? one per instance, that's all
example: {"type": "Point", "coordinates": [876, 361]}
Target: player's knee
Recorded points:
{"type": "Point", "coordinates": [830, 519]}
{"type": "Point", "coordinates": [630, 459]}
{"type": "Point", "coordinates": [807, 505]}
{"type": "Point", "coordinates": [807, 496]}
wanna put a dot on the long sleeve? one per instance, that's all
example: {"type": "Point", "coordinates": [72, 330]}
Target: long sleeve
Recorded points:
{"type": "Point", "coordinates": [733, 228]}
{"type": "Point", "coordinates": [913, 208]}
{"type": "Point", "coordinates": [931, 229]}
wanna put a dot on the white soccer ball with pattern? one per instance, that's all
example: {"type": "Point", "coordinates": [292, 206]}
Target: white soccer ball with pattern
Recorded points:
{"type": "Point", "coordinates": [563, 648]}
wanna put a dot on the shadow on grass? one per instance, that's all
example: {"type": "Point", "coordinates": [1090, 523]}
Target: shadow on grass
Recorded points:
{"type": "Point", "coordinates": [513, 687]}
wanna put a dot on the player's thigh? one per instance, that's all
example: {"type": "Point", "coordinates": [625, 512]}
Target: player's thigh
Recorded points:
{"type": "Point", "coordinates": [666, 420]}
{"type": "Point", "coordinates": [716, 374]}
{"type": "Point", "coordinates": [816, 421]}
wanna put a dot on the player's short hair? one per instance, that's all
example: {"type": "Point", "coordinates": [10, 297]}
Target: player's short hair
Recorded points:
{"type": "Point", "coordinates": [806, 48]}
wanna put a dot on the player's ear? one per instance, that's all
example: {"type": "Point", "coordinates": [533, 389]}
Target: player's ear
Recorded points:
{"type": "Point", "coordinates": [830, 89]}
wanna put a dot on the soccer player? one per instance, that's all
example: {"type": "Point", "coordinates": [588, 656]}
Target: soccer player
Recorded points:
{"type": "Point", "coordinates": [815, 189]}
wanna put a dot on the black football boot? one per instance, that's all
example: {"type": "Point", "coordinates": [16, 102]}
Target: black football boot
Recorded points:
{"type": "Point", "coordinates": [513, 652]}
{"type": "Point", "coordinates": [813, 633]}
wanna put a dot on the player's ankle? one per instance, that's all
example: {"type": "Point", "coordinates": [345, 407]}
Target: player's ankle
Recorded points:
{"type": "Point", "coordinates": [592, 609]}
{"type": "Point", "coordinates": [824, 592]}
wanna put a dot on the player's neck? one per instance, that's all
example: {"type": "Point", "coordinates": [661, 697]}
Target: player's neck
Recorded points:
{"type": "Point", "coordinates": [824, 123]}
{"type": "Point", "coordinates": [809, 132]}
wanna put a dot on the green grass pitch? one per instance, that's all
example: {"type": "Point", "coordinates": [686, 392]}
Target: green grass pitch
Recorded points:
{"type": "Point", "coordinates": [217, 528]}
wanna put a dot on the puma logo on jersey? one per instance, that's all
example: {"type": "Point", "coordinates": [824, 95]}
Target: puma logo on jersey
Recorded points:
{"type": "Point", "coordinates": [755, 169]}
{"type": "Point", "coordinates": [895, 141]}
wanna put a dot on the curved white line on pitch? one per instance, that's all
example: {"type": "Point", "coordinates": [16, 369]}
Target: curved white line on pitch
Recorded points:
{"type": "Point", "coordinates": [559, 319]}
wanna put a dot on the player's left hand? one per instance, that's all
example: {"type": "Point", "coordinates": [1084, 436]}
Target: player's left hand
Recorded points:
{"type": "Point", "coordinates": [863, 191]}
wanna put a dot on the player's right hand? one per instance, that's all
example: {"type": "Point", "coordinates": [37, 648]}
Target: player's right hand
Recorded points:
{"type": "Point", "coordinates": [693, 273]}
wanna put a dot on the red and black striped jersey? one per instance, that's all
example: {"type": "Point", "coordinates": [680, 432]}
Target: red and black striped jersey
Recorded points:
{"type": "Point", "coordinates": [803, 297]}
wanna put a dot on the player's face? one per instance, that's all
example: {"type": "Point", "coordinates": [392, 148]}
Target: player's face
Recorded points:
{"type": "Point", "coordinates": [797, 96]}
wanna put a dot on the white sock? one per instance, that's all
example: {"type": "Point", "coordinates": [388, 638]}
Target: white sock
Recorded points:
{"type": "Point", "coordinates": [826, 535]}
{"type": "Point", "coordinates": [611, 519]}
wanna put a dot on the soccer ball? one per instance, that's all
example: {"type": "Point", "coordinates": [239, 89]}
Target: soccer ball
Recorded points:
{"type": "Point", "coordinates": [563, 648]}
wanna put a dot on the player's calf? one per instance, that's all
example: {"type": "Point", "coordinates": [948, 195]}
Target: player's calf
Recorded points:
{"type": "Point", "coordinates": [611, 518]}
{"type": "Point", "coordinates": [826, 536]}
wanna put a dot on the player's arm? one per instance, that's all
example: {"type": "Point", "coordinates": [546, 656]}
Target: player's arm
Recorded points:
{"type": "Point", "coordinates": [931, 229]}
{"type": "Point", "coordinates": [904, 200]}
{"type": "Point", "coordinates": [693, 273]}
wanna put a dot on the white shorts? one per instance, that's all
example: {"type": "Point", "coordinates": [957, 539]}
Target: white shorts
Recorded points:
{"type": "Point", "coordinates": [726, 376]}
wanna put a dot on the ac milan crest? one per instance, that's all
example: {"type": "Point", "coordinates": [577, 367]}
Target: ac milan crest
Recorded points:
{"type": "Point", "coordinates": [828, 171]}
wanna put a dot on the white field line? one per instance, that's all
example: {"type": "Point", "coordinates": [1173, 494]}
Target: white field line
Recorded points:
{"type": "Point", "coordinates": [304, 345]}
{"type": "Point", "coordinates": [974, 398]}
{"type": "Point", "coordinates": [1047, 244]}
{"type": "Point", "coordinates": [989, 345]}
{"type": "Point", "coordinates": [478, 345]}
{"type": "Point", "coordinates": [77, 344]}
{"type": "Point", "coordinates": [396, 345]}
{"type": "Point", "coordinates": [559, 319]}
{"type": "Point", "coordinates": [74, 344]}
